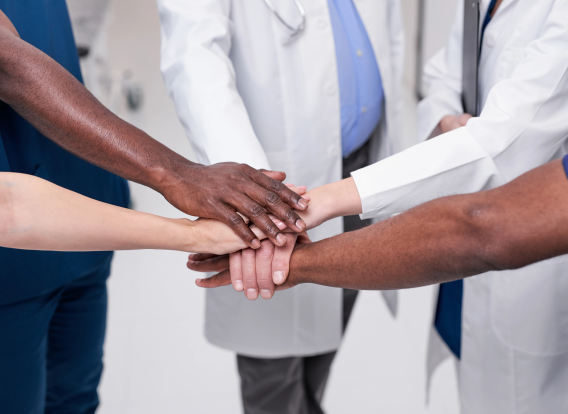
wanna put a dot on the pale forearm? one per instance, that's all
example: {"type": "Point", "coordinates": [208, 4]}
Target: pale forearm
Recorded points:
{"type": "Point", "coordinates": [39, 215]}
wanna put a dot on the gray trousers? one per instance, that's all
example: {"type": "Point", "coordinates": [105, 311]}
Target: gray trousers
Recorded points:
{"type": "Point", "coordinates": [295, 385]}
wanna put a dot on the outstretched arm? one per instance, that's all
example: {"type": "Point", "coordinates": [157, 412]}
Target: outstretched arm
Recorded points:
{"type": "Point", "coordinates": [38, 215]}
{"type": "Point", "coordinates": [58, 106]}
{"type": "Point", "coordinates": [522, 222]}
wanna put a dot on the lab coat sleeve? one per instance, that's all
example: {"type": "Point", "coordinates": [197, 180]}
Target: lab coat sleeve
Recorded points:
{"type": "Point", "coordinates": [523, 125]}
{"type": "Point", "coordinates": [200, 77]}
{"type": "Point", "coordinates": [442, 80]}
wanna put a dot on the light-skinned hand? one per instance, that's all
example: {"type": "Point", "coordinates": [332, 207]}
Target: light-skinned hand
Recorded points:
{"type": "Point", "coordinates": [451, 122]}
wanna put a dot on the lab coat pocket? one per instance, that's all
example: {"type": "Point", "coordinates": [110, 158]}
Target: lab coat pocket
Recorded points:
{"type": "Point", "coordinates": [529, 307]}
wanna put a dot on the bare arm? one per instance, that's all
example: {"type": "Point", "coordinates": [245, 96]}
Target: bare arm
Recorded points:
{"type": "Point", "coordinates": [38, 215]}
{"type": "Point", "coordinates": [522, 222]}
{"type": "Point", "coordinates": [56, 104]}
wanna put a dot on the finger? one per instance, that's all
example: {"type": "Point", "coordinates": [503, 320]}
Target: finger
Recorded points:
{"type": "Point", "coordinates": [275, 175]}
{"type": "Point", "coordinates": [275, 185]}
{"type": "Point", "coordinates": [237, 224]}
{"type": "Point", "coordinates": [235, 266]}
{"type": "Point", "coordinates": [198, 257]}
{"type": "Point", "coordinates": [301, 190]}
{"type": "Point", "coordinates": [271, 202]}
{"type": "Point", "coordinates": [214, 264]}
{"type": "Point", "coordinates": [264, 257]}
{"type": "Point", "coordinates": [218, 280]}
{"type": "Point", "coordinates": [281, 261]}
{"type": "Point", "coordinates": [249, 273]}
{"type": "Point", "coordinates": [256, 213]}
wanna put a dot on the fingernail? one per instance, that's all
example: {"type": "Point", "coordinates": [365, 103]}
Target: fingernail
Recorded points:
{"type": "Point", "coordinates": [301, 224]}
{"type": "Point", "coordinates": [251, 294]}
{"type": "Point", "coordinates": [265, 294]}
{"type": "Point", "coordinates": [303, 203]}
{"type": "Point", "coordinates": [238, 285]}
{"type": "Point", "coordinates": [281, 225]}
{"type": "Point", "coordinates": [255, 244]}
{"type": "Point", "coordinates": [198, 280]}
{"type": "Point", "coordinates": [281, 239]}
{"type": "Point", "coordinates": [302, 187]}
{"type": "Point", "coordinates": [278, 277]}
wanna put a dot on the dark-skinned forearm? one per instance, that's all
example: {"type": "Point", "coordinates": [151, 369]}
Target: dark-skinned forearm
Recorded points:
{"type": "Point", "coordinates": [523, 222]}
{"type": "Point", "coordinates": [58, 106]}
{"type": "Point", "coordinates": [54, 102]}
{"type": "Point", "coordinates": [405, 251]}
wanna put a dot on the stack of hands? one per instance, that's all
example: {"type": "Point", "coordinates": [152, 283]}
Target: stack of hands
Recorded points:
{"type": "Point", "coordinates": [264, 270]}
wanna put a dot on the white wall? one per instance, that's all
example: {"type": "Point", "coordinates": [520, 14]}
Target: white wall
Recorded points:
{"type": "Point", "coordinates": [157, 360]}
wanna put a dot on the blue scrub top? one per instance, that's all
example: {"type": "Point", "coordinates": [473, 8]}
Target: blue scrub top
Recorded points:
{"type": "Point", "coordinates": [25, 274]}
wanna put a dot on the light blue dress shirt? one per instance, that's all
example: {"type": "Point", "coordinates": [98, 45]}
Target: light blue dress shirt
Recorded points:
{"type": "Point", "coordinates": [360, 85]}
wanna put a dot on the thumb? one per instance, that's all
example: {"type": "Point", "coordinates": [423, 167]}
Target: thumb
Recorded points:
{"type": "Point", "coordinates": [218, 280]}
{"type": "Point", "coordinates": [275, 175]}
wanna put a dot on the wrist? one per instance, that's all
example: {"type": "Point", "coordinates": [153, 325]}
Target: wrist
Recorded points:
{"type": "Point", "coordinates": [169, 173]}
{"type": "Point", "coordinates": [186, 235]}
{"type": "Point", "coordinates": [299, 274]}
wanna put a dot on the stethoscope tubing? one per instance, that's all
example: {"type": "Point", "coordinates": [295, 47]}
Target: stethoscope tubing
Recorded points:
{"type": "Point", "coordinates": [294, 31]}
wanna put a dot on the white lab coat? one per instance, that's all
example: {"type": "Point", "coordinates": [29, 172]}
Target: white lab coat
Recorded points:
{"type": "Point", "coordinates": [245, 96]}
{"type": "Point", "coordinates": [515, 323]}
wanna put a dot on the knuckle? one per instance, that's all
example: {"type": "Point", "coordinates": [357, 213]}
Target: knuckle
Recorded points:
{"type": "Point", "coordinates": [264, 254]}
{"type": "Point", "coordinates": [256, 210]}
{"type": "Point", "coordinates": [272, 199]}
{"type": "Point", "coordinates": [236, 177]}
{"type": "Point", "coordinates": [235, 219]}
{"type": "Point", "coordinates": [276, 186]}
{"type": "Point", "coordinates": [244, 169]}
{"type": "Point", "coordinates": [291, 215]}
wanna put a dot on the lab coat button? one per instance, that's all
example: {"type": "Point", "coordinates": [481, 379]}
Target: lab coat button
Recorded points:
{"type": "Point", "coordinates": [321, 24]}
{"type": "Point", "coordinates": [330, 90]}
{"type": "Point", "coordinates": [466, 328]}
{"type": "Point", "coordinates": [490, 40]}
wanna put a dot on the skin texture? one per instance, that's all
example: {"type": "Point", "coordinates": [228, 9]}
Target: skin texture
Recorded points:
{"type": "Point", "coordinates": [520, 223]}
{"type": "Point", "coordinates": [58, 106]}
{"type": "Point", "coordinates": [36, 214]}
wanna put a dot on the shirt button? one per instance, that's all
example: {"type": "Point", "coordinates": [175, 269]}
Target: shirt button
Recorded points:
{"type": "Point", "coordinates": [364, 109]}
{"type": "Point", "coordinates": [359, 53]}
{"type": "Point", "coordinates": [321, 24]}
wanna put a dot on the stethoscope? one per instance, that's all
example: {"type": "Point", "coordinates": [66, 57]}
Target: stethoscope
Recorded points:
{"type": "Point", "coordinates": [294, 31]}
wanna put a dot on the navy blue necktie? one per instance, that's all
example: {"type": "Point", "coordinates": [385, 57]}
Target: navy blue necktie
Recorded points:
{"type": "Point", "coordinates": [448, 317]}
